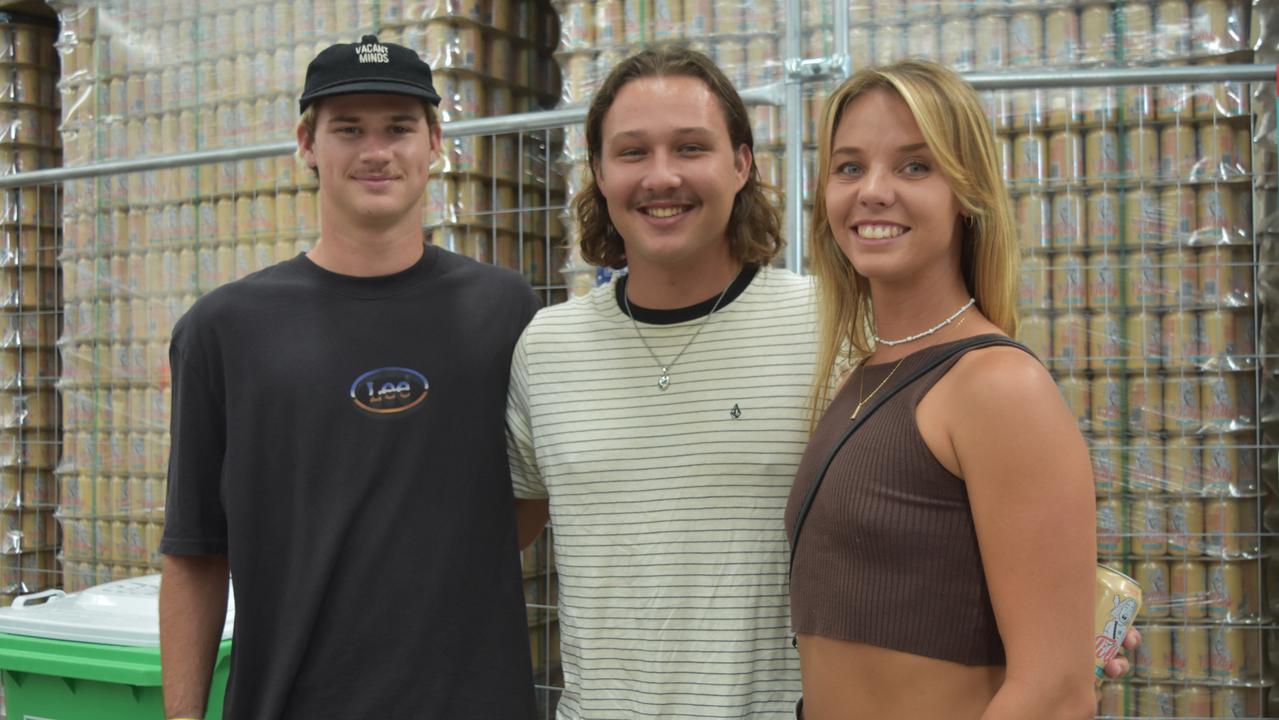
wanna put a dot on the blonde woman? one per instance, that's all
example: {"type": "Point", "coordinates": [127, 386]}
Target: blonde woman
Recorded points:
{"type": "Point", "coordinates": [945, 568]}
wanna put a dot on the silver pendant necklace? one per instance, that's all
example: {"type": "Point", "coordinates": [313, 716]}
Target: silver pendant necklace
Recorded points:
{"type": "Point", "coordinates": [881, 341]}
{"type": "Point", "coordinates": [664, 380]}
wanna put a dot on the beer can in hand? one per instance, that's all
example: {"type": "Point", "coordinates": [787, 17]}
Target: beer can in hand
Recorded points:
{"type": "Point", "coordinates": [1118, 601]}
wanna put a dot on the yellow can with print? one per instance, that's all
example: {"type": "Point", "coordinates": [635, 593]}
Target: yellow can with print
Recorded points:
{"type": "Point", "coordinates": [1118, 600]}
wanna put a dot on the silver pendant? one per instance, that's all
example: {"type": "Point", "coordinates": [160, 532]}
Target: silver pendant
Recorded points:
{"type": "Point", "coordinates": [664, 381]}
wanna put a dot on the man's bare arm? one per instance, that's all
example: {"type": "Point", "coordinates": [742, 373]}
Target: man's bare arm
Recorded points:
{"type": "Point", "coordinates": [530, 518]}
{"type": "Point", "coordinates": [193, 592]}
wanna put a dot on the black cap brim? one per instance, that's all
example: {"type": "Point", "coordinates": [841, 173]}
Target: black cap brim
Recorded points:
{"type": "Point", "coordinates": [368, 87]}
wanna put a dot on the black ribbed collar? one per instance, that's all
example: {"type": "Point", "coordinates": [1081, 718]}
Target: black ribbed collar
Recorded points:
{"type": "Point", "coordinates": [684, 314]}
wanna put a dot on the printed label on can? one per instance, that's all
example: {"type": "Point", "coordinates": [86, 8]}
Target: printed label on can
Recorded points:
{"type": "Point", "coordinates": [1190, 653]}
{"type": "Point", "coordinates": [991, 35]}
{"type": "Point", "coordinates": [1103, 283]}
{"type": "Point", "coordinates": [1152, 539]}
{"type": "Point", "coordinates": [1226, 590]}
{"type": "Point", "coordinates": [1106, 464]}
{"type": "Point", "coordinates": [1152, 575]}
{"type": "Point", "coordinates": [1118, 600]}
{"type": "Point", "coordinates": [1143, 279]}
{"type": "Point", "coordinates": [1227, 656]}
{"type": "Point", "coordinates": [1068, 220]}
{"type": "Point", "coordinates": [1230, 702]}
{"type": "Point", "coordinates": [1153, 659]}
{"type": "Point", "coordinates": [1109, 527]}
{"type": "Point", "coordinates": [1176, 214]}
{"type": "Point", "coordinates": [1142, 224]}
{"type": "Point", "coordinates": [1141, 153]}
{"type": "Point", "coordinates": [1145, 466]}
{"type": "Point", "coordinates": [1145, 404]}
{"type": "Point", "coordinates": [1068, 287]}
{"type": "Point", "coordinates": [1178, 152]}
{"type": "Point", "coordinates": [1026, 38]}
{"type": "Point", "coordinates": [1033, 220]}
{"type": "Point", "coordinates": [1107, 404]}
{"type": "Point", "coordinates": [1070, 342]}
{"type": "Point", "coordinates": [1181, 277]}
{"type": "Point", "coordinates": [1185, 521]}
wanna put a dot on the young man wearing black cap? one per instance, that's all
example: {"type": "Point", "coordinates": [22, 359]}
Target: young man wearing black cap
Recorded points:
{"type": "Point", "coordinates": [337, 444]}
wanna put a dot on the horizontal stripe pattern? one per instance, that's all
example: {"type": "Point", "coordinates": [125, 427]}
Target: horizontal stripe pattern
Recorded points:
{"type": "Point", "coordinates": [668, 506]}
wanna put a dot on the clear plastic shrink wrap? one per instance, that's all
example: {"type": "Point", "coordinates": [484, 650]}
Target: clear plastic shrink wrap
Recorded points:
{"type": "Point", "coordinates": [29, 305]}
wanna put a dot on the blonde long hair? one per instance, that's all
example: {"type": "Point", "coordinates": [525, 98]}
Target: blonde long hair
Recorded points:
{"type": "Point", "coordinates": [951, 119]}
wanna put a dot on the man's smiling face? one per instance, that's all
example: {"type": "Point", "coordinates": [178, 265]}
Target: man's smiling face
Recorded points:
{"type": "Point", "coordinates": [668, 171]}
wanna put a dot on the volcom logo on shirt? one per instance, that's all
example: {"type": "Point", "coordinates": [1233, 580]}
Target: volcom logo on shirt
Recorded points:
{"type": "Point", "coordinates": [390, 390]}
{"type": "Point", "coordinates": [372, 53]}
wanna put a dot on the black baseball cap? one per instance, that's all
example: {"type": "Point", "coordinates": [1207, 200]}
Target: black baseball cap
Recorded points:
{"type": "Point", "coordinates": [367, 66]}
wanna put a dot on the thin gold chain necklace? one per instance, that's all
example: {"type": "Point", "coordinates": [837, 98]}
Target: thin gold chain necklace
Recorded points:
{"type": "Point", "coordinates": [862, 387]}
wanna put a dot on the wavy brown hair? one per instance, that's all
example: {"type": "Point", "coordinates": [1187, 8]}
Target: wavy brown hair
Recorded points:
{"type": "Point", "coordinates": [950, 117]}
{"type": "Point", "coordinates": [754, 226]}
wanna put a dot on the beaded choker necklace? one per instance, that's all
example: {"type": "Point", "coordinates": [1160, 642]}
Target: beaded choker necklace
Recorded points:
{"type": "Point", "coordinates": [911, 338]}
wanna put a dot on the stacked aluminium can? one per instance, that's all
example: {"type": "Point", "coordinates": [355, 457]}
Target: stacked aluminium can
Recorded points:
{"type": "Point", "coordinates": [1135, 209]}
{"type": "Point", "coordinates": [29, 305]}
{"type": "Point", "coordinates": [493, 197]}
{"type": "Point", "coordinates": [159, 77]}
{"type": "Point", "coordinates": [143, 78]}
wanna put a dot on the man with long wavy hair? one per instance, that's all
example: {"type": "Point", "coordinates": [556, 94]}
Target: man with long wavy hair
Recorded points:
{"type": "Point", "coordinates": [661, 417]}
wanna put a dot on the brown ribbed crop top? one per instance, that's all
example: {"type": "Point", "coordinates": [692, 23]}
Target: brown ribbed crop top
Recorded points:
{"type": "Point", "coordinates": [889, 554]}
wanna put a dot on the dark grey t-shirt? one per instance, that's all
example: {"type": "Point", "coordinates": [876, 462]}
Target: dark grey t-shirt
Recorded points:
{"type": "Point", "coordinates": [342, 440]}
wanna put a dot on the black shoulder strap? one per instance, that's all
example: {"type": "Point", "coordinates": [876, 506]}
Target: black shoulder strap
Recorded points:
{"type": "Point", "coordinates": [959, 348]}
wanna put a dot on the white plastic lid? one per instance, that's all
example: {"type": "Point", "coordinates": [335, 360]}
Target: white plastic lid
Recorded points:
{"type": "Point", "coordinates": [124, 612]}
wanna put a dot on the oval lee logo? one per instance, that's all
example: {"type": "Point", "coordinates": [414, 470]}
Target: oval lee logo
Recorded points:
{"type": "Point", "coordinates": [387, 391]}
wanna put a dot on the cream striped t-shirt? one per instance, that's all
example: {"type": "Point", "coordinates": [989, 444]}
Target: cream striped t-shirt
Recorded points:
{"type": "Point", "coordinates": [667, 505]}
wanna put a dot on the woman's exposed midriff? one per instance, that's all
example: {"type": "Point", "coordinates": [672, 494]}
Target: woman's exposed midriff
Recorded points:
{"type": "Point", "coordinates": [850, 681]}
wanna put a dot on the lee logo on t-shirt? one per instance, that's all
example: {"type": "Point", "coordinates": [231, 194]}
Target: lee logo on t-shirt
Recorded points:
{"type": "Point", "coordinates": [389, 390]}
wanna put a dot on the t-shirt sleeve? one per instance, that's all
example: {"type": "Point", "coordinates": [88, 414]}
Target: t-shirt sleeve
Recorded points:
{"type": "Point", "coordinates": [526, 477]}
{"type": "Point", "coordinates": [194, 519]}
{"type": "Point", "coordinates": [530, 303]}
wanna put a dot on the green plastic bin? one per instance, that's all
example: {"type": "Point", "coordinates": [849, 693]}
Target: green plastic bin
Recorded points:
{"type": "Point", "coordinates": [93, 655]}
